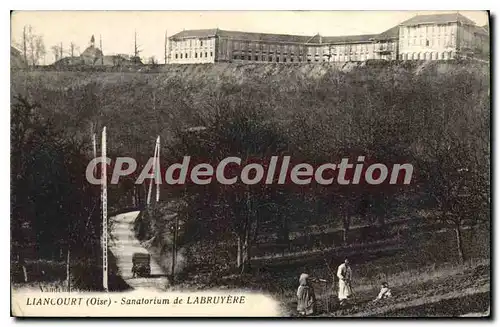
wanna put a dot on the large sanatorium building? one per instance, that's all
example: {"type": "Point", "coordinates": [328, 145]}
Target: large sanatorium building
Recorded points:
{"type": "Point", "coordinates": [423, 37]}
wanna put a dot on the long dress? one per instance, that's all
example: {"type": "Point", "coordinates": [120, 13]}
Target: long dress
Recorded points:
{"type": "Point", "coordinates": [344, 274]}
{"type": "Point", "coordinates": [306, 298]}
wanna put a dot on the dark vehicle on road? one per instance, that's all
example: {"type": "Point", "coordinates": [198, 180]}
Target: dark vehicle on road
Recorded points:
{"type": "Point", "coordinates": [141, 265]}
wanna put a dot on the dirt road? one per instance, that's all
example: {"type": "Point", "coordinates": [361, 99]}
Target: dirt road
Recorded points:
{"type": "Point", "coordinates": [123, 244]}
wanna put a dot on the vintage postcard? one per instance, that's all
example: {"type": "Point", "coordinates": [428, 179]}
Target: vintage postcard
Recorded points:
{"type": "Point", "coordinates": [294, 164]}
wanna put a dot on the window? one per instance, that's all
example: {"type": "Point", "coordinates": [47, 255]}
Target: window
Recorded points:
{"type": "Point", "coordinates": [176, 56]}
{"type": "Point", "coordinates": [206, 54]}
{"type": "Point", "coordinates": [181, 55]}
{"type": "Point", "coordinates": [186, 56]}
{"type": "Point", "coordinates": [277, 59]}
{"type": "Point", "coordinates": [196, 54]}
{"type": "Point", "coordinates": [256, 58]}
{"type": "Point", "coordinates": [427, 43]}
{"type": "Point", "coordinates": [284, 59]}
{"type": "Point", "coordinates": [211, 54]}
{"type": "Point", "coordinates": [291, 59]}
{"type": "Point", "coordinates": [201, 43]}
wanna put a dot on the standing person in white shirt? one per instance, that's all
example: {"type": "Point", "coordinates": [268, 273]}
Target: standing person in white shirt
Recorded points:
{"type": "Point", "coordinates": [344, 274]}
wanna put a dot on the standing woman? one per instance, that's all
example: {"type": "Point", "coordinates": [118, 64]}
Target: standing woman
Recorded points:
{"type": "Point", "coordinates": [344, 273]}
{"type": "Point", "coordinates": [306, 300]}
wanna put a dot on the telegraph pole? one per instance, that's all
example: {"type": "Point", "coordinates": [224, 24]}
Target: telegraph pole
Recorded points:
{"type": "Point", "coordinates": [174, 246]}
{"type": "Point", "coordinates": [68, 274]}
{"type": "Point", "coordinates": [104, 213]}
{"type": "Point", "coordinates": [148, 199]}
{"type": "Point", "coordinates": [158, 170]}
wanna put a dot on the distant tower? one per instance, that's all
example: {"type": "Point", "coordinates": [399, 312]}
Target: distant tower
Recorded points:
{"type": "Point", "coordinates": [92, 41]}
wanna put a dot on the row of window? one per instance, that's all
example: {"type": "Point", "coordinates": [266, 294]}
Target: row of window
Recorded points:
{"type": "Point", "coordinates": [190, 43]}
{"type": "Point", "coordinates": [186, 55]}
{"type": "Point", "coordinates": [333, 52]}
{"type": "Point", "coordinates": [411, 30]}
{"type": "Point", "coordinates": [298, 59]}
{"type": "Point", "coordinates": [271, 58]}
{"type": "Point", "coordinates": [427, 55]}
{"type": "Point", "coordinates": [295, 49]}
{"type": "Point", "coordinates": [437, 37]}
{"type": "Point", "coordinates": [265, 46]}
{"type": "Point", "coordinates": [427, 43]}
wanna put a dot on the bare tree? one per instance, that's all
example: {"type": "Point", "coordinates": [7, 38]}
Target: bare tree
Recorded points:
{"type": "Point", "coordinates": [32, 46]}
{"type": "Point", "coordinates": [72, 48]}
{"type": "Point", "coordinates": [152, 61]}
{"type": "Point", "coordinates": [137, 50]}
{"type": "Point", "coordinates": [56, 50]}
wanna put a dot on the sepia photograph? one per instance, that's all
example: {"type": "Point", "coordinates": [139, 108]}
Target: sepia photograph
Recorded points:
{"type": "Point", "coordinates": [291, 164]}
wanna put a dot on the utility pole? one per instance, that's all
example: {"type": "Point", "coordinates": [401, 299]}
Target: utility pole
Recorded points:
{"type": "Point", "coordinates": [158, 171]}
{"type": "Point", "coordinates": [94, 156]}
{"type": "Point", "coordinates": [68, 275]}
{"type": "Point", "coordinates": [156, 167]}
{"type": "Point", "coordinates": [104, 213]}
{"type": "Point", "coordinates": [174, 246]}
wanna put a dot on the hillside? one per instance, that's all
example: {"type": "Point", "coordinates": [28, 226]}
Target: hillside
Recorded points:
{"type": "Point", "coordinates": [435, 115]}
{"type": "Point", "coordinates": [165, 97]}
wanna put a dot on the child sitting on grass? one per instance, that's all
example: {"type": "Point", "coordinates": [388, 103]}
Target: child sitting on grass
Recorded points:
{"type": "Point", "coordinates": [385, 292]}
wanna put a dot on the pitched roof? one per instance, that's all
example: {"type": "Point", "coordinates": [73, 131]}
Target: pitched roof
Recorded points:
{"type": "Point", "coordinates": [480, 30]}
{"type": "Point", "coordinates": [243, 36]}
{"type": "Point", "coordinates": [15, 51]}
{"type": "Point", "coordinates": [349, 38]}
{"type": "Point", "coordinates": [392, 32]}
{"type": "Point", "coordinates": [437, 19]}
{"type": "Point", "coordinates": [16, 58]}
{"type": "Point", "coordinates": [194, 33]}
{"type": "Point", "coordinates": [92, 51]}
{"type": "Point", "coordinates": [265, 37]}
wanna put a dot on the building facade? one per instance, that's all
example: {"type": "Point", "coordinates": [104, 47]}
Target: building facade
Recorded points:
{"type": "Point", "coordinates": [441, 37]}
{"type": "Point", "coordinates": [428, 37]}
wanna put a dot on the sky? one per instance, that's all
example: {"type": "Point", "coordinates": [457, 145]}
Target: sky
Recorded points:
{"type": "Point", "coordinates": [117, 28]}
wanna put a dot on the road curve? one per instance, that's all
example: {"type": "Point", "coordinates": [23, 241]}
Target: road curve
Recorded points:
{"type": "Point", "coordinates": [123, 244]}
